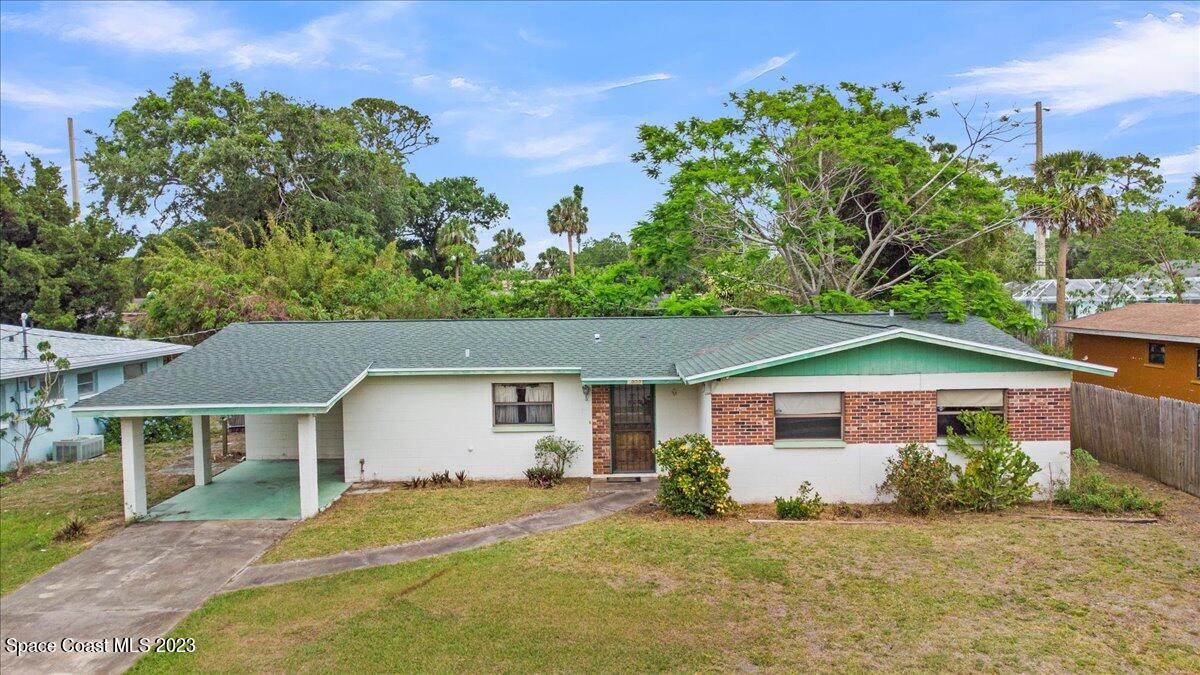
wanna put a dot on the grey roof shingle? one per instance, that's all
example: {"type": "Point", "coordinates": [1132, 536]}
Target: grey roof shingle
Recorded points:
{"type": "Point", "coordinates": [295, 363]}
{"type": "Point", "coordinates": [82, 350]}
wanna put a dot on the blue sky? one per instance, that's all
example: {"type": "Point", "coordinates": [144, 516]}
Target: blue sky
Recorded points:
{"type": "Point", "coordinates": [533, 98]}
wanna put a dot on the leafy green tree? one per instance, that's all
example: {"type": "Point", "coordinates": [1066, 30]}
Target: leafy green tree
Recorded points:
{"type": "Point", "coordinates": [950, 287]}
{"type": "Point", "coordinates": [570, 217]}
{"type": "Point", "coordinates": [436, 205]}
{"type": "Point", "coordinates": [602, 252]}
{"type": "Point", "coordinates": [550, 262]}
{"type": "Point", "coordinates": [1193, 195]}
{"type": "Point", "coordinates": [281, 272]}
{"type": "Point", "coordinates": [616, 290]}
{"type": "Point", "coordinates": [506, 248]}
{"type": "Point", "coordinates": [205, 152]}
{"type": "Point", "coordinates": [67, 274]}
{"type": "Point", "coordinates": [1143, 243]}
{"type": "Point", "coordinates": [825, 189]}
{"type": "Point", "coordinates": [1077, 191]}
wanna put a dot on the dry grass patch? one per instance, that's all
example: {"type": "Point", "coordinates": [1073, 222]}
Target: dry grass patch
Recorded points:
{"type": "Point", "coordinates": [358, 521]}
{"type": "Point", "coordinates": [642, 591]}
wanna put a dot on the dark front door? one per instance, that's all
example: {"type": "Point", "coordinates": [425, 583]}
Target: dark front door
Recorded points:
{"type": "Point", "coordinates": [632, 428]}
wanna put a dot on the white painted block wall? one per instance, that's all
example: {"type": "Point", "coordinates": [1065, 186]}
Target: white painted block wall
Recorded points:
{"type": "Point", "coordinates": [276, 437]}
{"type": "Point", "coordinates": [676, 411]}
{"type": "Point", "coordinates": [760, 473]}
{"type": "Point", "coordinates": [401, 427]}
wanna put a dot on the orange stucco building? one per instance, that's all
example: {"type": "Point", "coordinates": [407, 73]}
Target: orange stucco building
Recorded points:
{"type": "Point", "coordinates": [1154, 347]}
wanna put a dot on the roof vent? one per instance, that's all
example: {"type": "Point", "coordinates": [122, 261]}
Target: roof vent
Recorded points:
{"type": "Point", "coordinates": [596, 338]}
{"type": "Point", "coordinates": [466, 353]}
{"type": "Point", "coordinates": [891, 312]}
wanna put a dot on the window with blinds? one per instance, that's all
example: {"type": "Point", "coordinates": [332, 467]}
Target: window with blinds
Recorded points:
{"type": "Point", "coordinates": [515, 404]}
{"type": "Point", "coordinates": [815, 416]}
{"type": "Point", "coordinates": [953, 402]}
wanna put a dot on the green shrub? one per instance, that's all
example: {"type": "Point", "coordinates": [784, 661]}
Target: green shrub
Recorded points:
{"type": "Point", "coordinates": [1090, 491]}
{"type": "Point", "coordinates": [696, 481]}
{"type": "Point", "coordinates": [556, 453]}
{"type": "Point", "coordinates": [156, 430]}
{"type": "Point", "coordinates": [541, 476]}
{"type": "Point", "coordinates": [805, 505]}
{"type": "Point", "coordinates": [920, 480]}
{"type": "Point", "coordinates": [997, 473]}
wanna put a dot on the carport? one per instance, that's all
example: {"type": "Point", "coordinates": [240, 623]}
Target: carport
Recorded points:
{"type": "Point", "coordinates": [254, 489]}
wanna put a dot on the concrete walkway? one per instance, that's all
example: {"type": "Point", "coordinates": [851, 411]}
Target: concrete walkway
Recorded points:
{"type": "Point", "coordinates": [544, 521]}
{"type": "Point", "coordinates": [137, 584]}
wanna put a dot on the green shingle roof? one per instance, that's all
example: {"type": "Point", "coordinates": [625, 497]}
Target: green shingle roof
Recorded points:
{"type": "Point", "coordinates": [254, 367]}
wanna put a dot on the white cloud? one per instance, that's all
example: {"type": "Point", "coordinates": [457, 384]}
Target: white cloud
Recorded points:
{"type": "Point", "coordinates": [76, 97]}
{"type": "Point", "coordinates": [463, 84]}
{"type": "Point", "coordinates": [755, 72]}
{"type": "Point", "coordinates": [198, 30]}
{"type": "Point", "coordinates": [602, 87]}
{"type": "Point", "coordinates": [530, 37]}
{"type": "Point", "coordinates": [1129, 120]}
{"type": "Point", "coordinates": [1185, 164]}
{"type": "Point", "coordinates": [542, 147]}
{"type": "Point", "coordinates": [578, 161]}
{"type": "Point", "coordinates": [13, 148]}
{"type": "Point", "coordinates": [1149, 58]}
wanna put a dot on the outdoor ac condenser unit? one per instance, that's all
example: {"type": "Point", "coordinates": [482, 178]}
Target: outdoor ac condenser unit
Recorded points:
{"type": "Point", "coordinates": [78, 448]}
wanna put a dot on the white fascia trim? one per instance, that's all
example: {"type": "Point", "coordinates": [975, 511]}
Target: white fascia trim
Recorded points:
{"type": "Point", "coordinates": [517, 370]}
{"type": "Point", "coordinates": [82, 363]}
{"type": "Point", "coordinates": [658, 379]}
{"type": "Point", "coordinates": [1188, 339]}
{"type": "Point", "coordinates": [909, 333]}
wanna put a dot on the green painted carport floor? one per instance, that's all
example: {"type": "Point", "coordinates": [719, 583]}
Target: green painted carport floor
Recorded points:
{"type": "Point", "coordinates": [253, 490]}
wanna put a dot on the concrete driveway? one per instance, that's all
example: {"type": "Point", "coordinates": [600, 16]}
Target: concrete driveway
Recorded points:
{"type": "Point", "coordinates": [137, 584]}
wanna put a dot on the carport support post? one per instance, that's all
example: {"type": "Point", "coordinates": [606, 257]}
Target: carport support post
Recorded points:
{"type": "Point", "coordinates": [202, 449]}
{"type": "Point", "coordinates": [133, 467]}
{"type": "Point", "coordinates": [307, 435]}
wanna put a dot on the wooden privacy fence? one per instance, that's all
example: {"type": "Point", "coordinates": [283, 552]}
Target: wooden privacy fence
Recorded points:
{"type": "Point", "coordinates": [1156, 437]}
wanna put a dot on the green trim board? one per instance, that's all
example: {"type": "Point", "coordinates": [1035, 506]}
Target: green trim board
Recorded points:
{"type": "Point", "coordinates": [898, 357]}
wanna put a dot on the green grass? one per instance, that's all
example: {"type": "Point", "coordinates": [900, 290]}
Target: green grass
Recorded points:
{"type": "Point", "coordinates": [359, 521]}
{"type": "Point", "coordinates": [641, 591]}
{"type": "Point", "coordinates": [35, 506]}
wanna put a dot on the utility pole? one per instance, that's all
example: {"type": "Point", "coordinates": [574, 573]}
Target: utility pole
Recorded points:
{"type": "Point", "coordinates": [1039, 234]}
{"type": "Point", "coordinates": [74, 171]}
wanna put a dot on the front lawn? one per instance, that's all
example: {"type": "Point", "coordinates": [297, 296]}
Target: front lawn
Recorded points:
{"type": "Point", "coordinates": [368, 520]}
{"type": "Point", "coordinates": [641, 591]}
{"type": "Point", "coordinates": [34, 507]}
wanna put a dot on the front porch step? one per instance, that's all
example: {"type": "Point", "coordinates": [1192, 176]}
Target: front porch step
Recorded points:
{"type": "Point", "coordinates": [619, 483]}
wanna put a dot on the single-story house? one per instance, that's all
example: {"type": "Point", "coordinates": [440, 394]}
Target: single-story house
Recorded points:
{"type": "Point", "coordinates": [98, 363]}
{"type": "Point", "coordinates": [1088, 296]}
{"type": "Point", "coordinates": [1155, 346]}
{"type": "Point", "coordinates": [822, 398]}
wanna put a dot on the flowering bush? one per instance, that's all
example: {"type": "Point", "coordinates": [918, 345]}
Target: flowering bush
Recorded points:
{"type": "Point", "coordinates": [696, 481]}
{"type": "Point", "coordinates": [920, 480]}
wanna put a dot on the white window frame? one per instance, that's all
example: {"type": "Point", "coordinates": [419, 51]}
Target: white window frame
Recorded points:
{"type": "Point", "coordinates": [841, 417]}
{"type": "Point", "coordinates": [522, 425]}
{"type": "Point", "coordinates": [95, 384]}
{"type": "Point", "coordinates": [997, 410]}
{"type": "Point", "coordinates": [141, 364]}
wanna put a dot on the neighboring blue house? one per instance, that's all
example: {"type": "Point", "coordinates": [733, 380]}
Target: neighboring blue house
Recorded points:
{"type": "Point", "coordinates": [97, 363]}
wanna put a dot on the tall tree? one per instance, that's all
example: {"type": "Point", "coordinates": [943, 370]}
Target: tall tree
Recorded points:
{"type": "Point", "coordinates": [456, 243]}
{"type": "Point", "coordinates": [1077, 191]}
{"type": "Point", "coordinates": [602, 252]}
{"type": "Point", "coordinates": [811, 190]}
{"type": "Point", "coordinates": [570, 217]}
{"type": "Point", "coordinates": [205, 152]}
{"type": "Point", "coordinates": [444, 201]}
{"type": "Point", "coordinates": [67, 274]}
{"type": "Point", "coordinates": [506, 248]}
{"type": "Point", "coordinates": [1145, 244]}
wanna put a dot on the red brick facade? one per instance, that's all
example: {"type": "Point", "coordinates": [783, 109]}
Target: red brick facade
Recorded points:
{"type": "Point", "coordinates": [889, 416]}
{"type": "Point", "coordinates": [601, 432]}
{"type": "Point", "coordinates": [877, 417]}
{"type": "Point", "coordinates": [1038, 414]}
{"type": "Point", "coordinates": [743, 419]}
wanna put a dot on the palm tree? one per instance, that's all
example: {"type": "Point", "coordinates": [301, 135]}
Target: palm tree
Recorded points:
{"type": "Point", "coordinates": [506, 249]}
{"type": "Point", "coordinates": [456, 242]}
{"type": "Point", "coordinates": [549, 262]}
{"type": "Point", "coordinates": [1070, 195]}
{"type": "Point", "coordinates": [1194, 195]}
{"type": "Point", "coordinates": [570, 217]}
